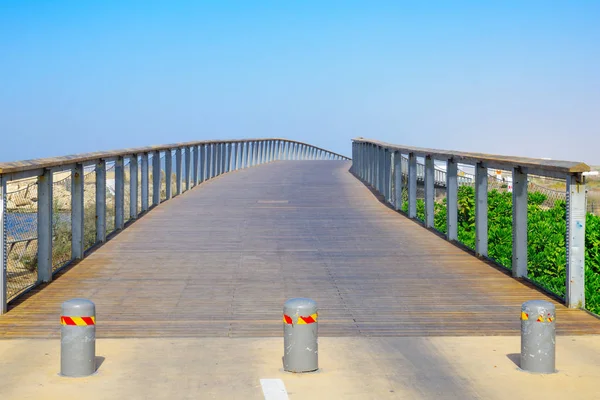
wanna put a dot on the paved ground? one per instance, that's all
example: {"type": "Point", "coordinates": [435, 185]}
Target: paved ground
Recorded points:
{"type": "Point", "coordinates": [351, 368]}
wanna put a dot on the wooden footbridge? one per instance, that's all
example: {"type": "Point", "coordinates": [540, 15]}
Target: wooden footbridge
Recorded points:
{"type": "Point", "coordinates": [249, 224]}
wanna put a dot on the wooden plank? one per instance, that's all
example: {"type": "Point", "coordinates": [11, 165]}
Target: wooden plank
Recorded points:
{"type": "Point", "coordinates": [221, 259]}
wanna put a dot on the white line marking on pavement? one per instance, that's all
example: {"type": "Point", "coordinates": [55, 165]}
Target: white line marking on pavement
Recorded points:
{"type": "Point", "coordinates": [274, 389]}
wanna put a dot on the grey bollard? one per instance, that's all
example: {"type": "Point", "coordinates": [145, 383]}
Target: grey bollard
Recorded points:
{"type": "Point", "coordinates": [538, 337]}
{"type": "Point", "coordinates": [300, 335]}
{"type": "Point", "coordinates": [78, 338]}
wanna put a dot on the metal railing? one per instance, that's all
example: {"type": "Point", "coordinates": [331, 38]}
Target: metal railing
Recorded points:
{"type": "Point", "coordinates": [92, 197]}
{"type": "Point", "coordinates": [380, 165]}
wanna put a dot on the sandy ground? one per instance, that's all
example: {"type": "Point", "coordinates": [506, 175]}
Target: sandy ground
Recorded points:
{"type": "Point", "coordinates": [350, 368]}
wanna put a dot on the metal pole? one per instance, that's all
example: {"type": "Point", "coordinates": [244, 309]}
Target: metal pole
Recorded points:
{"type": "Point", "coordinates": [156, 178]}
{"type": "Point", "coordinates": [101, 201]}
{"type": "Point", "coordinates": [45, 226]}
{"type": "Point", "coordinates": [538, 337]}
{"type": "Point", "coordinates": [145, 183]}
{"type": "Point", "coordinates": [398, 180]}
{"type": "Point", "coordinates": [77, 244]}
{"type": "Point", "coordinates": [519, 225]}
{"type": "Point", "coordinates": [119, 193]}
{"type": "Point", "coordinates": [300, 335]}
{"type": "Point", "coordinates": [203, 163]}
{"type": "Point", "coordinates": [451, 200]}
{"type": "Point", "coordinates": [78, 338]}
{"type": "Point", "coordinates": [576, 214]}
{"type": "Point", "coordinates": [387, 190]}
{"type": "Point", "coordinates": [429, 192]}
{"type": "Point", "coordinates": [133, 186]}
{"type": "Point", "coordinates": [168, 172]}
{"type": "Point", "coordinates": [196, 165]}
{"type": "Point", "coordinates": [3, 249]}
{"type": "Point", "coordinates": [481, 210]}
{"type": "Point", "coordinates": [187, 167]}
{"type": "Point", "coordinates": [412, 185]}
{"type": "Point", "coordinates": [178, 171]}
{"type": "Point", "coordinates": [228, 164]}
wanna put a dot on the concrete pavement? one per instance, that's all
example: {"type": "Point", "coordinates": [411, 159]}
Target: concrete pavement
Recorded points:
{"type": "Point", "coordinates": [351, 368]}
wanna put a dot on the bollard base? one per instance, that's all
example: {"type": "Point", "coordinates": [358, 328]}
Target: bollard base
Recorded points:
{"type": "Point", "coordinates": [80, 376]}
{"type": "Point", "coordinates": [536, 373]}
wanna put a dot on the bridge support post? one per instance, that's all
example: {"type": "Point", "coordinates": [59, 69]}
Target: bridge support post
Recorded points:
{"type": "Point", "coordinates": [429, 191]}
{"type": "Point", "coordinates": [156, 178]}
{"type": "Point", "coordinates": [133, 186]}
{"type": "Point", "coordinates": [145, 184]}
{"type": "Point", "coordinates": [412, 185]}
{"type": "Point", "coordinates": [45, 226]}
{"type": "Point", "coordinates": [519, 225]}
{"type": "Point", "coordinates": [77, 245]}
{"type": "Point", "coordinates": [119, 193]}
{"type": "Point", "coordinates": [168, 172]}
{"type": "Point", "coordinates": [538, 337]}
{"type": "Point", "coordinates": [78, 338]}
{"type": "Point", "coordinates": [101, 201]}
{"type": "Point", "coordinates": [481, 210]}
{"type": "Point", "coordinates": [451, 200]}
{"type": "Point", "coordinates": [300, 335]}
{"type": "Point", "coordinates": [3, 249]}
{"type": "Point", "coordinates": [576, 215]}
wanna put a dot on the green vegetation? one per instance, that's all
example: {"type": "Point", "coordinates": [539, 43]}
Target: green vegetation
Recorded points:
{"type": "Point", "coordinates": [546, 238]}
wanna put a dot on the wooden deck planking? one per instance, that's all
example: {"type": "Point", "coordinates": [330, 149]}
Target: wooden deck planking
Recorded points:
{"type": "Point", "coordinates": [221, 259]}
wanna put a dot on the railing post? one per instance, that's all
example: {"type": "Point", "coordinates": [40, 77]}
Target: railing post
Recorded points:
{"type": "Point", "coordinates": [228, 163]}
{"type": "Point", "coordinates": [45, 226]}
{"type": "Point", "coordinates": [481, 210]}
{"type": "Point", "coordinates": [178, 171]}
{"type": "Point", "coordinates": [119, 193]}
{"type": "Point", "coordinates": [101, 201]}
{"type": "Point", "coordinates": [156, 178]}
{"type": "Point", "coordinates": [3, 249]}
{"type": "Point", "coordinates": [388, 175]}
{"type": "Point", "coordinates": [279, 150]}
{"type": "Point", "coordinates": [203, 163]}
{"type": "Point", "coordinates": [145, 185]}
{"type": "Point", "coordinates": [133, 186]}
{"type": "Point", "coordinates": [519, 226]}
{"type": "Point", "coordinates": [77, 244]}
{"type": "Point", "coordinates": [195, 178]}
{"type": "Point", "coordinates": [239, 151]}
{"type": "Point", "coordinates": [168, 172]}
{"type": "Point", "coordinates": [412, 185]}
{"type": "Point", "coordinates": [213, 160]}
{"type": "Point", "coordinates": [451, 200]}
{"type": "Point", "coordinates": [223, 157]}
{"type": "Point", "coordinates": [576, 215]}
{"type": "Point", "coordinates": [429, 192]}
{"type": "Point", "coordinates": [398, 180]}
{"type": "Point", "coordinates": [188, 165]}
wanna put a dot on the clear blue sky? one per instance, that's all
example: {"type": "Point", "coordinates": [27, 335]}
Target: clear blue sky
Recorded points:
{"type": "Point", "coordinates": [508, 77]}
